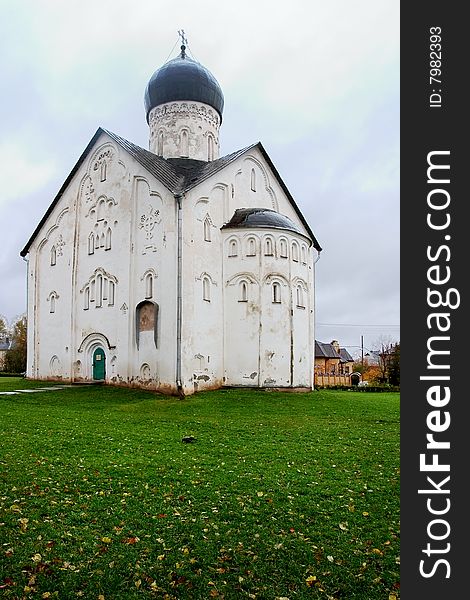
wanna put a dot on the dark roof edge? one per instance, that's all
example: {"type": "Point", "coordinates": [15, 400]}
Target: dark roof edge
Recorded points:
{"type": "Point", "coordinates": [224, 161]}
{"type": "Point", "coordinates": [268, 227]}
{"type": "Point", "coordinates": [289, 196]}
{"type": "Point", "coordinates": [62, 189]}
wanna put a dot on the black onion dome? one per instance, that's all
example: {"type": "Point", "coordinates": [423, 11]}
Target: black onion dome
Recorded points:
{"type": "Point", "coordinates": [252, 218]}
{"type": "Point", "coordinates": [183, 79]}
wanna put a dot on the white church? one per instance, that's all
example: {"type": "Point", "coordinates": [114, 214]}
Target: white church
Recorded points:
{"type": "Point", "coordinates": [173, 268]}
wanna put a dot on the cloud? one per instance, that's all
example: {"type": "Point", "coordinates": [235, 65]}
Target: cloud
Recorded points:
{"type": "Point", "coordinates": [24, 172]}
{"type": "Point", "coordinates": [317, 83]}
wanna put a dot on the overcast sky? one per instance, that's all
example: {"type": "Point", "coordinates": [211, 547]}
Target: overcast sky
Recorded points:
{"type": "Point", "coordinates": [316, 82]}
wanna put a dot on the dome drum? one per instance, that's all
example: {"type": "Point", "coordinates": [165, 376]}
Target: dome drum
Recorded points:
{"type": "Point", "coordinates": [184, 105]}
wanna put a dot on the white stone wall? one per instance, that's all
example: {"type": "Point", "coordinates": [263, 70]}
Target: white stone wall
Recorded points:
{"type": "Point", "coordinates": [229, 340]}
{"type": "Point", "coordinates": [184, 130]}
{"type": "Point", "coordinates": [116, 226]}
{"type": "Point", "coordinates": [114, 231]}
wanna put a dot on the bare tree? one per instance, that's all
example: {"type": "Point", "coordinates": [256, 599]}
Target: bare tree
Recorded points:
{"type": "Point", "coordinates": [386, 352]}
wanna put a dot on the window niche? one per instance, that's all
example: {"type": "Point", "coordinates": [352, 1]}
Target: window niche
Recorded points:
{"type": "Point", "coordinates": [207, 229]}
{"type": "Point", "coordinates": [100, 289]}
{"type": "Point", "coordinates": [53, 256]}
{"type": "Point", "coordinates": [210, 148]}
{"type": "Point", "coordinates": [243, 292]}
{"type": "Point", "coordinates": [269, 247]}
{"type": "Point", "coordinates": [206, 289]}
{"type": "Point", "coordinates": [253, 180]}
{"type": "Point", "coordinates": [52, 301]}
{"type": "Point", "coordinates": [160, 143]}
{"type": "Point", "coordinates": [295, 252]}
{"type": "Point", "coordinates": [146, 319]}
{"type": "Point", "coordinates": [184, 143]}
{"type": "Point", "coordinates": [149, 286]}
{"type": "Point", "coordinates": [251, 247]}
{"type": "Point", "coordinates": [276, 292]}
{"type": "Point", "coordinates": [300, 297]}
{"type": "Point", "coordinates": [233, 248]}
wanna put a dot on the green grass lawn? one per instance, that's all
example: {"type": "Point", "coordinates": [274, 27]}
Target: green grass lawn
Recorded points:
{"type": "Point", "coordinates": [280, 496]}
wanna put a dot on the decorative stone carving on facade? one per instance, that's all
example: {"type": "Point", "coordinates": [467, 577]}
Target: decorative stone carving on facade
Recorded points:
{"type": "Point", "coordinates": [101, 162]}
{"type": "Point", "coordinates": [276, 277]}
{"type": "Point", "coordinates": [98, 171]}
{"type": "Point", "coordinates": [174, 110]}
{"type": "Point", "coordinates": [184, 130]}
{"type": "Point", "coordinates": [51, 229]}
{"type": "Point", "coordinates": [148, 221]}
{"type": "Point", "coordinates": [235, 279]}
{"type": "Point", "coordinates": [88, 190]}
{"type": "Point", "coordinates": [100, 207]}
{"type": "Point", "coordinates": [100, 289]}
{"type": "Point", "coordinates": [55, 366]}
{"type": "Point", "coordinates": [145, 372]}
{"type": "Point", "coordinates": [59, 245]}
{"type": "Point", "coordinates": [100, 237]}
{"type": "Point", "coordinates": [250, 174]}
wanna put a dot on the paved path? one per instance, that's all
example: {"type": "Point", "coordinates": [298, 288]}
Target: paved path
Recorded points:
{"type": "Point", "coordinates": [38, 389]}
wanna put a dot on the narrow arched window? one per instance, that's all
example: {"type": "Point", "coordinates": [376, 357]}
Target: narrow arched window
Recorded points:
{"type": "Point", "coordinates": [107, 245]}
{"type": "Point", "coordinates": [206, 289]}
{"type": "Point", "coordinates": [233, 248]}
{"type": "Point", "coordinates": [304, 255]}
{"type": "Point", "coordinates": [102, 241]}
{"type": "Point", "coordinates": [253, 180]}
{"type": "Point", "coordinates": [210, 148]}
{"type": "Point", "coordinates": [276, 292]}
{"type": "Point", "coordinates": [149, 286]}
{"type": "Point", "coordinates": [283, 249]}
{"type": "Point", "coordinates": [91, 243]}
{"type": "Point", "coordinates": [184, 148]}
{"type": "Point", "coordinates": [295, 252]}
{"type": "Point", "coordinates": [99, 291]}
{"type": "Point", "coordinates": [243, 291]}
{"type": "Point", "coordinates": [52, 303]}
{"type": "Point", "coordinates": [103, 171]}
{"type": "Point", "coordinates": [101, 210]}
{"type": "Point", "coordinates": [207, 230]}
{"type": "Point", "coordinates": [269, 247]}
{"type": "Point", "coordinates": [300, 297]}
{"type": "Point", "coordinates": [53, 256]}
{"type": "Point", "coordinates": [86, 299]}
{"type": "Point", "coordinates": [160, 143]}
{"type": "Point", "coordinates": [251, 250]}
{"type": "Point", "coordinates": [112, 288]}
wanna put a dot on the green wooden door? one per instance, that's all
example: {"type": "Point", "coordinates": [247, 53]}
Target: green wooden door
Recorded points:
{"type": "Point", "coordinates": [99, 364]}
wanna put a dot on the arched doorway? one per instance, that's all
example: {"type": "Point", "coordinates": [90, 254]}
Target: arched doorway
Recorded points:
{"type": "Point", "coordinates": [99, 364]}
{"type": "Point", "coordinates": [355, 378]}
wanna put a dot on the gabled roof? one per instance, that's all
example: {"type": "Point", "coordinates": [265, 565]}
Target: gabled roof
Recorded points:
{"type": "Point", "coordinates": [323, 350]}
{"type": "Point", "coordinates": [346, 357]}
{"type": "Point", "coordinates": [178, 175]}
